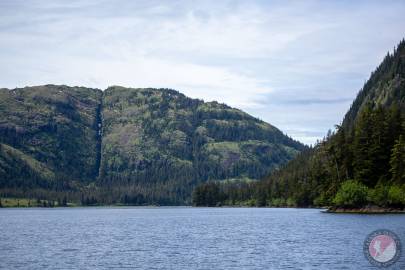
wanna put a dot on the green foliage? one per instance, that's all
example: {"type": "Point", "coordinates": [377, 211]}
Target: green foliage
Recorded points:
{"type": "Point", "coordinates": [278, 202]}
{"type": "Point", "coordinates": [379, 195]}
{"type": "Point", "coordinates": [323, 199]}
{"type": "Point", "coordinates": [396, 196]}
{"type": "Point", "coordinates": [291, 202]}
{"type": "Point", "coordinates": [351, 194]}
{"type": "Point", "coordinates": [387, 196]}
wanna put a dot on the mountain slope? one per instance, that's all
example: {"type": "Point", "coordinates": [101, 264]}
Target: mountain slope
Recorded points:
{"type": "Point", "coordinates": [129, 145]}
{"type": "Point", "coordinates": [158, 139]}
{"type": "Point", "coordinates": [55, 126]}
{"type": "Point", "coordinates": [385, 86]}
{"type": "Point", "coordinates": [362, 162]}
{"type": "Point", "coordinates": [16, 168]}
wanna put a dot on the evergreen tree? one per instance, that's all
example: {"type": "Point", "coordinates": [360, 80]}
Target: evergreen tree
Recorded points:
{"type": "Point", "coordinates": [362, 143]}
{"type": "Point", "coordinates": [398, 161]}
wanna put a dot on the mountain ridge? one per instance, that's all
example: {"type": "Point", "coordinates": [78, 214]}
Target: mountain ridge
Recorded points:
{"type": "Point", "coordinates": [150, 144]}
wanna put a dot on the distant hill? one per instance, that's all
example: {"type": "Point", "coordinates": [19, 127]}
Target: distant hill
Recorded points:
{"type": "Point", "coordinates": [361, 163]}
{"type": "Point", "coordinates": [125, 145]}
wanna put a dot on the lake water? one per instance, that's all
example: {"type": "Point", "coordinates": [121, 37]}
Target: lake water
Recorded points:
{"type": "Point", "coordinates": [187, 238]}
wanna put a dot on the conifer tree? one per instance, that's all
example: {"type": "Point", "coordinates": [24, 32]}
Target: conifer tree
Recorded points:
{"type": "Point", "coordinates": [398, 161]}
{"type": "Point", "coordinates": [363, 163]}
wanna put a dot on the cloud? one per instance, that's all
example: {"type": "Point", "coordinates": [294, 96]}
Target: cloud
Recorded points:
{"type": "Point", "coordinates": [296, 65]}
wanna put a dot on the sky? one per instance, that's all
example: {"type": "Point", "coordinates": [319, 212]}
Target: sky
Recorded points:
{"type": "Point", "coordinates": [295, 64]}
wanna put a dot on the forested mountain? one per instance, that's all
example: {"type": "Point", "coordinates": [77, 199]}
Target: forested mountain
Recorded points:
{"type": "Point", "coordinates": [361, 163]}
{"type": "Point", "coordinates": [125, 145]}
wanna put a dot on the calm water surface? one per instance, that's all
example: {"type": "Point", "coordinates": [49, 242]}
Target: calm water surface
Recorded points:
{"type": "Point", "coordinates": [187, 238]}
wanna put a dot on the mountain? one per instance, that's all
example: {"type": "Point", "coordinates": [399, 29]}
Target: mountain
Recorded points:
{"type": "Point", "coordinates": [126, 145]}
{"type": "Point", "coordinates": [361, 163]}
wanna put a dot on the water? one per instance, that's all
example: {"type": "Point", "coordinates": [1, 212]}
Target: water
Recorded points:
{"type": "Point", "coordinates": [187, 238]}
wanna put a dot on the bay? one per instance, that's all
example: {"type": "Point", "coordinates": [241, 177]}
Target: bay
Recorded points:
{"type": "Point", "coordinates": [187, 238]}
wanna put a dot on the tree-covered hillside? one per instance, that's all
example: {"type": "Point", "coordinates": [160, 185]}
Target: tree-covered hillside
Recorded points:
{"type": "Point", "coordinates": [161, 144]}
{"type": "Point", "coordinates": [362, 162]}
{"type": "Point", "coordinates": [125, 145]}
{"type": "Point", "coordinates": [48, 136]}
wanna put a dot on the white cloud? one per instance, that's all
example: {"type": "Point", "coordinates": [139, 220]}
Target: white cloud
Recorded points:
{"type": "Point", "coordinates": [253, 55]}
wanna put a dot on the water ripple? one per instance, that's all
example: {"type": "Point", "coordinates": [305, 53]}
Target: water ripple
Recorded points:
{"type": "Point", "coordinates": [187, 238]}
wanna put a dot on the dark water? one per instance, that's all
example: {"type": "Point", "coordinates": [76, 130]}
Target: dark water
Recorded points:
{"type": "Point", "coordinates": [187, 238]}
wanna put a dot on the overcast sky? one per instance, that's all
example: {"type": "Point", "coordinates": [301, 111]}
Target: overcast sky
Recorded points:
{"type": "Point", "coordinates": [297, 65]}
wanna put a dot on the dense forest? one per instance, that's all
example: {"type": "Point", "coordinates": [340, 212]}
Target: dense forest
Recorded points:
{"type": "Point", "coordinates": [361, 163]}
{"type": "Point", "coordinates": [127, 146]}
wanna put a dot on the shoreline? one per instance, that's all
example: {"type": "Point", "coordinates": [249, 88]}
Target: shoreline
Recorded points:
{"type": "Point", "coordinates": [360, 211]}
{"type": "Point", "coordinates": [8, 203]}
{"type": "Point", "coordinates": [364, 210]}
